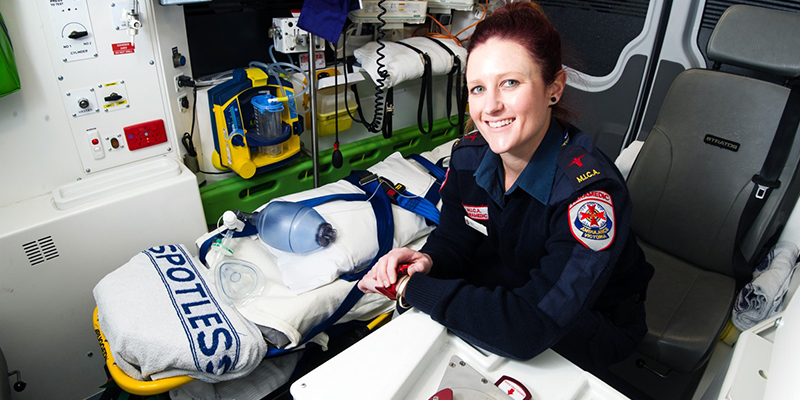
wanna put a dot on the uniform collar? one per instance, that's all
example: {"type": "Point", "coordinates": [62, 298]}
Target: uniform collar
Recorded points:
{"type": "Point", "coordinates": [537, 177]}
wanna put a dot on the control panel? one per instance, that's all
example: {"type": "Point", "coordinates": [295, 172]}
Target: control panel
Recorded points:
{"type": "Point", "coordinates": [289, 38]}
{"type": "Point", "coordinates": [112, 77]}
{"type": "Point", "coordinates": [73, 29]}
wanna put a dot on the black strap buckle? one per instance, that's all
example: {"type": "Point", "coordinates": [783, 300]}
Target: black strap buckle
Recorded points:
{"type": "Point", "coordinates": [389, 188]}
{"type": "Point", "coordinates": [367, 179]}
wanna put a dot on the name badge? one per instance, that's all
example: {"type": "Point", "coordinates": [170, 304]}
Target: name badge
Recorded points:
{"type": "Point", "coordinates": [476, 225]}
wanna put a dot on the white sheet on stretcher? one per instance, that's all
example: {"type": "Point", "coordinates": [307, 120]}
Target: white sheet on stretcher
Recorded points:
{"type": "Point", "coordinates": [284, 315]}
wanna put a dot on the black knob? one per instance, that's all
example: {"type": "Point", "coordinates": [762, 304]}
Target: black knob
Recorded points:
{"type": "Point", "coordinates": [19, 386]}
{"type": "Point", "coordinates": [114, 96]}
{"type": "Point", "coordinates": [83, 103]}
{"type": "Point", "coordinates": [337, 159]}
{"type": "Point", "coordinates": [77, 34]}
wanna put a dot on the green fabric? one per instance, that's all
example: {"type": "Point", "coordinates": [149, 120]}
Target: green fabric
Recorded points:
{"type": "Point", "coordinates": [9, 78]}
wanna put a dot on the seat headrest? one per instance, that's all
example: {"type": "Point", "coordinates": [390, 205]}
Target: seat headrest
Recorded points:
{"type": "Point", "coordinates": [758, 38]}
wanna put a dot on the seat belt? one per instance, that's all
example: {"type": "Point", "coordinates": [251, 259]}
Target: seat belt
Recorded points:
{"type": "Point", "coordinates": [426, 91]}
{"type": "Point", "coordinates": [461, 102]}
{"type": "Point", "coordinates": [768, 178]}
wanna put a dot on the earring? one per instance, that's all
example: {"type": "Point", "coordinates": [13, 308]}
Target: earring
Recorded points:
{"type": "Point", "coordinates": [553, 99]}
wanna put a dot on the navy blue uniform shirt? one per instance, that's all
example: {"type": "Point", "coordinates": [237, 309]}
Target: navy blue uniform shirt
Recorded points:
{"type": "Point", "coordinates": [512, 270]}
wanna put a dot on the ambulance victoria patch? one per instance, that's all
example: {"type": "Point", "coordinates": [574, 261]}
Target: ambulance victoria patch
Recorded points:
{"type": "Point", "coordinates": [591, 220]}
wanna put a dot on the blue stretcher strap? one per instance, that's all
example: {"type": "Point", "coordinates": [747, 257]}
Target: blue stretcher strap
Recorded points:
{"type": "Point", "coordinates": [435, 170]}
{"type": "Point", "coordinates": [419, 205]}
{"type": "Point", "coordinates": [336, 196]}
{"type": "Point", "coordinates": [348, 303]}
{"type": "Point", "coordinates": [382, 207]}
{"type": "Point", "coordinates": [434, 194]}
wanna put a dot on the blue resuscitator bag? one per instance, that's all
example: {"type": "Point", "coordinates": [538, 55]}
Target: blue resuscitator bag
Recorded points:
{"type": "Point", "coordinates": [291, 227]}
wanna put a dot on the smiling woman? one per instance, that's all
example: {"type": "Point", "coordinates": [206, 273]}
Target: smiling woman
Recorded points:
{"type": "Point", "coordinates": [534, 236]}
{"type": "Point", "coordinates": [510, 102]}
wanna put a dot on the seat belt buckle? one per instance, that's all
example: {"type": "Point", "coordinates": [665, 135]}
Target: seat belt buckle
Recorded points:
{"type": "Point", "coordinates": [761, 192]}
{"type": "Point", "coordinates": [764, 186]}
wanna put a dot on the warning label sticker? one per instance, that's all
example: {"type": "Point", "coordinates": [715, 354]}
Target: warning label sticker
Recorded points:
{"type": "Point", "coordinates": [122, 48]}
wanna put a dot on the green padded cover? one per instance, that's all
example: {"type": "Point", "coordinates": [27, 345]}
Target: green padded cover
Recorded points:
{"type": "Point", "coordinates": [9, 78]}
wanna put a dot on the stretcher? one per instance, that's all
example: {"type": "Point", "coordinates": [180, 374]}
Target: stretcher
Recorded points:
{"type": "Point", "coordinates": [158, 387]}
{"type": "Point", "coordinates": [128, 384]}
{"type": "Point", "coordinates": [315, 310]}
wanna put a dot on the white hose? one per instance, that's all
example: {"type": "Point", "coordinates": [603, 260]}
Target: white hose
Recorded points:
{"type": "Point", "coordinates": [270, 69]}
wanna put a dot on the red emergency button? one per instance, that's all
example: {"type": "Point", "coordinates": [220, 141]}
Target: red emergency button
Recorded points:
{"type": "Point", "coordinates": [95, 142]}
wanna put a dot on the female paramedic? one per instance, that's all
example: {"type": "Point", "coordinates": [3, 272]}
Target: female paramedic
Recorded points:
{"type": "Point", "coordinates": [534, 248]}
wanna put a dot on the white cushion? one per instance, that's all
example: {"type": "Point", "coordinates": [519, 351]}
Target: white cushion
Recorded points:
{"type": "Point", "coordinates": [404, 64]}
{"type": "Point", "coordinates": [357, 242]}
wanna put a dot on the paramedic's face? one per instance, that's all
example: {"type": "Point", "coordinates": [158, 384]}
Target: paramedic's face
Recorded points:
{"type": "Point", "coordinates": [508, 99]}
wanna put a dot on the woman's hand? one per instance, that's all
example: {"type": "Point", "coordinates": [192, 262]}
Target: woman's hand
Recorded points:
{"type": "Point", "coordinates": [384, 272]}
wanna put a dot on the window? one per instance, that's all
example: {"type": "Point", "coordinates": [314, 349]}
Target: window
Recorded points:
{"type": "Point", "coordinates": [594, 32]}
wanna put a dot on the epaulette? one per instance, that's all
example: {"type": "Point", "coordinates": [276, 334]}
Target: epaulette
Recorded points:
{"type": "Point", "coordinates": [472, 139]}
{"type": "Point", "coordinates": [579, 166]}
{"type": "Point", "coordinates": [468, 151]}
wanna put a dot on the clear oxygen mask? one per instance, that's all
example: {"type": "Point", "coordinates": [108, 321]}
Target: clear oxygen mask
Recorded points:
{"type": "Point", "coordinates": [237, 281]}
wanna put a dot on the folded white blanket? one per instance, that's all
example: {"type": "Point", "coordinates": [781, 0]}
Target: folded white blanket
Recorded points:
{"type": "Point", "coordinates": [404, 64]}
{"type": "Point", "coordinates": [763, 297]}
{"type": "Point", "coordinates": [162, 318]}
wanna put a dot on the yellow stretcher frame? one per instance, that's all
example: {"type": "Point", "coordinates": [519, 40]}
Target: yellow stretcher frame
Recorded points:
{"type": "Point", "coordinates": [125, 382]}
{"type": "Point", "coordinates": [152, 388]}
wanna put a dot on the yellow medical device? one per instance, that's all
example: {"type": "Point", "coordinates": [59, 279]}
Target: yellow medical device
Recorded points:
{"type": "Point", "coordinates": [235, 121]}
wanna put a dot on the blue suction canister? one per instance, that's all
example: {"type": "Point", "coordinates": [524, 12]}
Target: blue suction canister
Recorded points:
{"type": "Point", "coordinates": [291, 227]}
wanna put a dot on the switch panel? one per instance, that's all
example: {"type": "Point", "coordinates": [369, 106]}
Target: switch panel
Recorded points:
{"type": "Point", "coordinates": [145, 134]}
{"type": "Point", "coordinates": [81, 102]}
{"type": "Point", "coordinates": [113, 96]}
{"type": "Point", "coordinates": [95, 144]}
{"type": "Point", "coordinates": [73, 29]}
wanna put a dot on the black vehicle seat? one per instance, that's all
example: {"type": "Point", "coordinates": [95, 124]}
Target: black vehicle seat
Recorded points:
{"type": "Point", "coordinates": [693, 177]}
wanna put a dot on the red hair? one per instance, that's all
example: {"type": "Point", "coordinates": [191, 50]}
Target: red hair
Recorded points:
{"type": "Point", "coordinates": [527, 25]}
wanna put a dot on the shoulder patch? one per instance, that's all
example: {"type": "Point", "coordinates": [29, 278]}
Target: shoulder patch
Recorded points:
{"type": "Point", "coordinates": [591, 220]}
{"type": "Point", "coordinates": [580, 167]}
